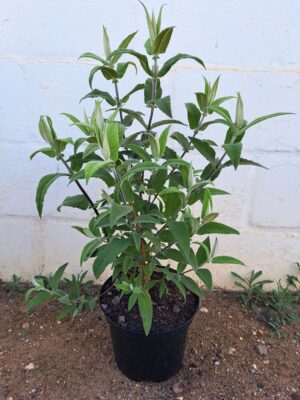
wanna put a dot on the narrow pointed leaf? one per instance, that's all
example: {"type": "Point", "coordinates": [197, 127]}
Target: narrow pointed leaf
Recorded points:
{"type": "Point", "coordinates": [204, 148]}
{"type": "Point", "coordinates": [163, 138]}
{"type": "Point", "coordinates": [107, 253]}
{"type": "Point", "coordinates": [77, 201]}
{"type": "Point", "coordinates": [217, 228]}
{"type": "Point", "coordinates": [123, 45]}
{"type": "Point", "coordinates": [234, 151]}
{"type": "Point", "coordinates": [164, 104]}
{"type": "Point", "coordinates": [169, 64]}
{"type": "Point", "coordinates": [181, 235]}
{"type": "Point", "coordinates": [193, 115]}
{"type": "Point", "coordinates": [226, 260]}
{"type": "Point", "coordinates": [162, 40]}
{"type": "Point", "coordinates": [146, 310]}
{"type": "Point", "coordinates": [205, 276]}
{"type": "Point", "coordinates": [42, 188]}
{"type": "Point", "coordinates": [117, 212]}
{"type": "Point", "coordinates": [99, 93]}
{"type": "Point", "coordinates": [141, 57]}
{"type": "Point", "coordinates": [93, 166]}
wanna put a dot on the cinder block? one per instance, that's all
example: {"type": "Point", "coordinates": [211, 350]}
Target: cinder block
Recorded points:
{"type": "Point", "coordinates": [273, 252]}
{"type": "Point", "coordinates": [21, 247]}
{"type": "Point", "coordinates": [64, 244]}
{"type": "Point", "coordinates": [276, 192]}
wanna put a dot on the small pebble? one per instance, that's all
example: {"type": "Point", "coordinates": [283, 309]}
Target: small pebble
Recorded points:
{"type": "Point", "coordinates": [30, 367]}
{"type": "Point", "coordinates": [204, 310]}
{"type": "Point", "coordinates": [262, 349]}
{"type": "Point", "coordinates": [178, 387]}
{"type": "Point", "coordinates": [115, 300]}
{"type": "Point", "coordinates": [232, 351]}
{"type": "Point", "coordinates": [176, 309]}
{"type": "Point", "coordinates": [25, 325]}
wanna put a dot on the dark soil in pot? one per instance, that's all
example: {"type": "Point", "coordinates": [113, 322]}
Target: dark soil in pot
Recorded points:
{"type": "Point", "coordinates": [159, 355]}
{"type": "Point", "coordinates": [169, 312]}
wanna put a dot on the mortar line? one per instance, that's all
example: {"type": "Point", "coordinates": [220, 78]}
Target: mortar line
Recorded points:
{"type": "Point", "coordinates": [182, 66]}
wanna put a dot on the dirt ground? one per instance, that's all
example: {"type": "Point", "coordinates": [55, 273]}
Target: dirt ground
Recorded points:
{"type": "Point", "coordinates": [41, 359]}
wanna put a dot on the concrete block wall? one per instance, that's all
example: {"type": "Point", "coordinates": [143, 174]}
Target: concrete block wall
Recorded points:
{"type": "Point", "coordinates": [254, 45]}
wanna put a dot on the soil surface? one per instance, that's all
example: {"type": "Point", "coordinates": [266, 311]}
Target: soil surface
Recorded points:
{"type": "Point", "coordinates": [229, 356]}
{"type": "Point", "coordinates": [169, 311]}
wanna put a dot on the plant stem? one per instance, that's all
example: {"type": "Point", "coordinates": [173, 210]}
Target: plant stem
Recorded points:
{"type": "Point", "coordinates": [196, 131]}
{"type": "Point", "coordinates": [118, 101]}
{"type": "Point", "coordinates": [153, 94]}
{"type": "Point", "coordinates": [80, 186]}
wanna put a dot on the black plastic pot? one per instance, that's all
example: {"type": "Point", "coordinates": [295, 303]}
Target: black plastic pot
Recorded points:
{"type": "Point", "coordinates": [155, 357]}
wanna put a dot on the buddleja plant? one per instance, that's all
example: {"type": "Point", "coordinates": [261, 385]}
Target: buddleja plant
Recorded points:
{"type": "Point", "coordinates": [144, 218]}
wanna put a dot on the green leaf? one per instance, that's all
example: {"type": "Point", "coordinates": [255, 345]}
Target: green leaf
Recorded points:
{"type": "Point", "coordinates": [123, 45]}
{"type": "Point", "coordinates": [39, 298]}
{"type": "Point", "coordinates": [166, 122]}
{"type": "Point", "coordinates": [106, 45]}
{"type": "Point", "coordinates": [244, 161]}
{"type": "Point", "coordinates": [193, 115]}
{"type": "Point", "coordinates": [112, 137]}
{"type": "Point", "coordinates": [141, 57]}
{"type": "Point", "coordinates": [117, 212]}
{"type": "Point", "coordinates": [93, 56]}
{"type": "Point", "coordinates": [263, 118]}
{"type": "Point", "coordinates": [213, 91]}
{"type": "Point", "coordinates": [122, 68]}
{"type": "Point", "coordinates": [216, 228]}
{"type": "Point", "coordinates": [162, 40]}
{"type": "Point", "coordinates": [148, 95]}
{"type": "Point", "coordinates": [77, 201]}
{"type": "Point", "coordinates": [181, 235]}
{"type": "Point", "coordinates": [191, 285]}
{"type": "Point", "coordinates": [92, 167]}
{"type": "Point", "coordinates": [48, 151]}
{"type": "Point", "coordinates": [149, 22]}
{"type": "Point", "coordinates": [99, 93]}
{"type": "Point", "coordinates": [154, 144]}
{"type": "Point", "coordinates": [136, 115]}
{"type": "Point", "coordinates": [226, 260]}
{"type": "Point", "coordinates": [132, 300]}
{"type": "Point", "coordinates": [239, 114]}
{"type": "Point", "coordinates": [171, 189]}
{"type": "Point", "coordinates": [141, 167]}
{"type": "Point", "coordinates": [181, 139]}
{"type": "Point", "coordinates": [175, 255]}
{"type": "Point", "coordinates": [57, 276]}
{"type": "Point", "coordinates": [223, 112]}
{"type": "Point", "coordinates": [145, 219]}
{"type": "Point", "coordinates": [139, 151]}
{"type": "Point", "coordinates": [204, 148]}
{"type": "Point", "coordinates": [169, 64]}
{"type": "Point", "coordinates": [108, 72]}
{"type": "Point", "coordinates": [42, 188]}
{"type": "Point", "coordinates": [205, 276]}
{"type": "Point", "coordinates": [173, 202]}
{"type": "Point", "coordinates": [88, 249]}
{"type": "Point", "coordinates": [164, 104]}
{"type": "Point", "coordinates": [146, 310]}
{"type": "Point", "coordinates": [234, 151]}
{"type": "Point", "coordinates": [90, 149]}
{"type": "Point", "coordinates": [203, 252]}
{"type": "Point", "coordinates": [201, 100]}
{"type": "Point", "coordinates": [107, 253]}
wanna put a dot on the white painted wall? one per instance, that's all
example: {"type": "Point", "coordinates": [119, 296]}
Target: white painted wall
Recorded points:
{"type": "Point", "coordinates": [253, 44]}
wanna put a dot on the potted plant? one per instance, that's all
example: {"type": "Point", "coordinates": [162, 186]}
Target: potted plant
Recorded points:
{"type": "Point", "coordinates": [153, 220]}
